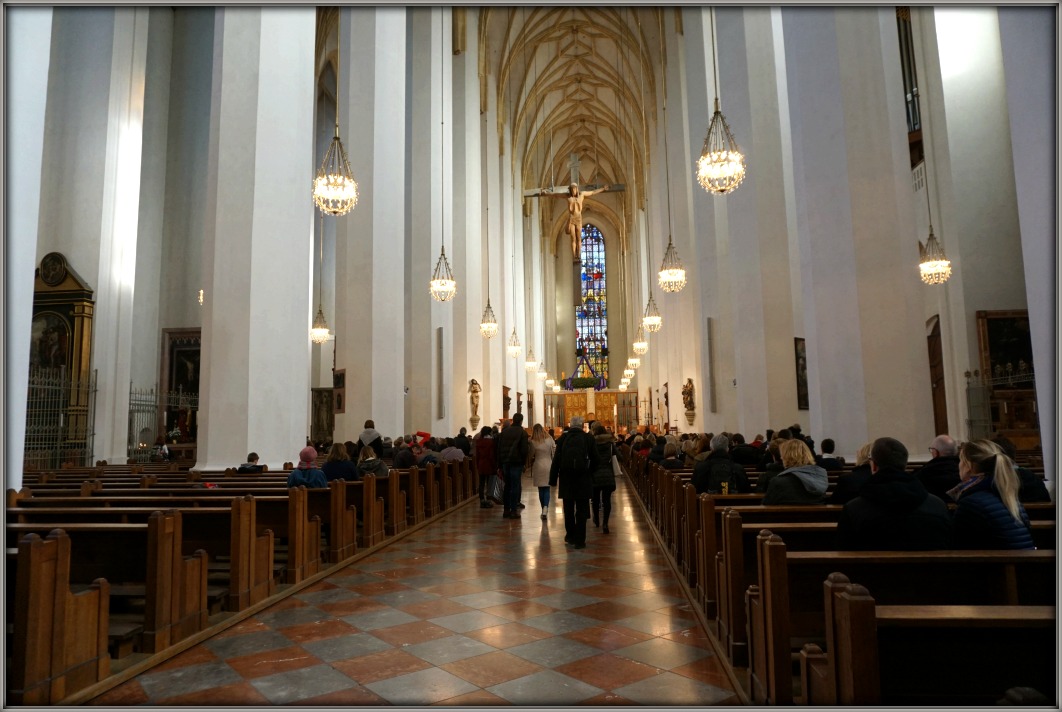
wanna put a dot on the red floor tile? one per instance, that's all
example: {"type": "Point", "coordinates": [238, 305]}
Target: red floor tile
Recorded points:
{"type": "Point", "coordinates": [271, 662]}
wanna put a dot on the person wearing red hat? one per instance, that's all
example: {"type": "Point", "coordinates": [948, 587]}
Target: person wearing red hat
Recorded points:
{"type": "Point", "coordinates": [307, 473]}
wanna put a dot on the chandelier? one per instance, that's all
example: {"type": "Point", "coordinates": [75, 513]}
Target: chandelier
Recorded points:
{"type": "Point", "coordinates": [319, 330]}
{"type": "Point", "coordinates": [628, 373]}
{"type": "Point", "coordinates": [623, 386]}
{"type": "Point", "coordinates": [556, 388]}
{"type": "Point", "coordinates": [443, 286]}
{"type": "Point", "coordinates": [531, 364]}
{"type": "Point", "coordinates": [652, 321]}
{"type": "Point", "coordinates": [549, 383]}
{"type": "Point", "coordinates": [634, 362]}
{"type": "Point", "coordinates": [334, 189]}
{"type": "Point", "coordinates": [672, 275]}
{"type": "Point", "coordinates": [514, 344]}
{"type": "Point", "coordinates": [541, 372]}
{"type": "Point", "coordinates": [721, 167]}
{"type": "Point", "coordinates": [641, 346]}
{"type": "Point", "coordinates": [488, 324]}
{"type": "Point", "coordinates": [933, 264]}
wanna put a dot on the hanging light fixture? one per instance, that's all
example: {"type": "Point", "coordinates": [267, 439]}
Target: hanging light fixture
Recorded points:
{"type": "Point", "coordinates": [541, 375]}
{"type": "Point", "coordinates": [514, 344]}
{"type": "Point", "coordinates": [672, 275]}
{"type": "Point", "coordinates": [625, 381]}
{"type": "Point", "coordinates": [652, 321]}
{"type": "Point", "coordinates": [721, 167]}
{"type": "Point", "coordinates": [641, 346]}
{"type": "Point", "coordinates": [443, 285]}
{"type": "Point", "coordinates": [623, 387]}
{"type": "Point", "coordinates": [319, 331]}
{"type": "Point", "coordinates": [634, 362]}
{"type": "Point", "coordinates": [334, 189]}
{"type": "Point", "coordinates": [556, 388]}
{"type": "Point", "coordinates": [531, 364]}
{"type": "Point", "coordinates": [488, 324]}
{"type": "Point", "coordinates": [933, 264]}
{"type": "Point", "coordinates": [549, 383]}
{"type": "Point", "coordinates": [628, 373]}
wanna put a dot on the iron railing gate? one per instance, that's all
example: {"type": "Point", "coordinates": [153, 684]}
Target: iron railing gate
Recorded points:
{"type": "Point", "coordinates": [60, 419]}
{"type": "Point", "coordinates": [143, 422]}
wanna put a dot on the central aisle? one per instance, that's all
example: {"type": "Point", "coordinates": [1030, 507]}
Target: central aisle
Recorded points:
{"type": "Point", "coordinates": [470, 610]}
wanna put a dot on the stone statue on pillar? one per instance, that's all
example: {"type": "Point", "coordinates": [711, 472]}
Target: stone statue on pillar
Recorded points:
{"type": "Point", "coordinates": [506, 402]}
{"type": "Point", "coordinates": [687, 401]}
{"type": "Point", "coordinates": [474, 390]}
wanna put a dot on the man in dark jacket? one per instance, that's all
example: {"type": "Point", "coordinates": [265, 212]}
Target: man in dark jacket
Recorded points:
{"type": "Point", "coordinates": [893, 511]}
{"type": "Point", "coordinates": [463, 443]}
{"type": "Point", "coordinates": [512, 445]}
{"type": "Point", "coordinates": [743, 453]}
{"type": "Point", "coordinates": [717, 473]}
{"type": "Point", "coordinates": [575, 479]}
{"type": "Point", "coordinates": [828, 461]}
{"type": "Point", "coordinates": [942, 472]}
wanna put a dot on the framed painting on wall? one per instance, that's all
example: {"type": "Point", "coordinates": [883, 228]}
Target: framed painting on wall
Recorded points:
{"type": "Point", "coordinates": [801, 357]}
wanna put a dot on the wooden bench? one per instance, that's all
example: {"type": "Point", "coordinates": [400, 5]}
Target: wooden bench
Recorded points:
{"type": "Point", "coordinates": [59, 643]}
{"type": "Point", "coordinates": [785, 605]}
{"type": "Point", "coordinates": [150, 567]}
{"type": "Point", "coordinates": [925, 655]}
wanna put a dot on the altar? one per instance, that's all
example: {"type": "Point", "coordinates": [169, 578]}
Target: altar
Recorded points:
{"type": "Point", "coordinates": [613, 408]}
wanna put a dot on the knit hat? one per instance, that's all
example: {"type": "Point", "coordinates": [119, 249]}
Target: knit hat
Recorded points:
{"type": "Point", "coordinates": [307, 455]}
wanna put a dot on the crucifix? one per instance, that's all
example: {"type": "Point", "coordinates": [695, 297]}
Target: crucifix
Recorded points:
{"type": "Point", "coordinates": [575, 194]}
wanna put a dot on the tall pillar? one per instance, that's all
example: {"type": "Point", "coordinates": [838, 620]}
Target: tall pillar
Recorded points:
{"type": "Point", "coordinates": [113, 326]}
{"type": "Point", "coordinates": [371, 250]}
{"type": "Point", "coordinates": [868, 370]}
{"type": "Point", "coordinates": [28, 45]}
{"type": "Point", "coordinates": [1028, 40]}
{"type": "Point", "coordinates": [254, 391]}
{"type": "Point", "coordinates": [468, 248]}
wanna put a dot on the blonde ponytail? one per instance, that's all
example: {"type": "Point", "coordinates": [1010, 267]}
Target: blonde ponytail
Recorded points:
{"type": "Point", "coordinates": [979, 453]}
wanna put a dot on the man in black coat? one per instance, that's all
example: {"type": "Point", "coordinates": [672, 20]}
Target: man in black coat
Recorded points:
{"type": "Point", "coordinates": [576, 484]}
{"type": "Point", "coordinates": [942, 472]}
{"type": "Point", "coordinates": [463, 443]}
{"type": "Point", "coordinates": [712, 472]}
{"type": "Point", "coordinates": [512, 447]}
{"type": "Point", "coordinates": [743, 453]}
{"type": "Point", "coordinates": [893, 511]}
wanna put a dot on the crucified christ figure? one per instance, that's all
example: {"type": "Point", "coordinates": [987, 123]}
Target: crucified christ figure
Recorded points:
{"type": "Point", "coordinates": [575, 214]}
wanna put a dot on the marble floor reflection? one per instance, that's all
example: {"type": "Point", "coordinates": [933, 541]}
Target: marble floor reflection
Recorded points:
{"type": "Point", "coordinates": [471, 610]}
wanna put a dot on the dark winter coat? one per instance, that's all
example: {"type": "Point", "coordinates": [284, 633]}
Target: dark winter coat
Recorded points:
{"type": "Point", "coordinates": [771, 470]}
{"type": "Point", "coordinates": [657, 453]}
{"type": "Point", "coordinates": [603, 475]}
{"type": "Point", "coordinates": [939, 475]}
{"type": "Point", "coordinates": [372, 466]}
{"type": "Point", "coordinates": [486, 456]}
{"type": "Point", "coordinates": [577, 485]}
{"type": "Point", "coordinates": [894, 512]}
{"type": "Point", "coordinates": [747, 455]}
{"type": "Point", "coordinates": [1033, 488]}
{"type": "Point", "coordinates": [804, 484]}
{"type": "Point", "coordinates": [982, 521]}
{"type": "Point", "coordinates": [311, 478]}
{"type": "Point", "coordinates": [718, 467]}
{"type": "Point", "coordinates": [340, 470]}
{"type": "Point", "coordinates": [849, 485]}
{"type": "Point", "coordinates": [513, 446]}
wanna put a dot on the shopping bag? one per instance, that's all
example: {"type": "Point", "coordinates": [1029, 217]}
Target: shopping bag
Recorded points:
{"type": "Point", "coordinates": [494, 489]}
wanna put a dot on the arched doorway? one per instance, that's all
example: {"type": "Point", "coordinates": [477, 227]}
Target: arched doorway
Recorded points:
{"type": "Point", "coordinates": [936, 379]}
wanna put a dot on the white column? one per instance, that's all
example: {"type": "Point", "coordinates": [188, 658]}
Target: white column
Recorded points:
{"type": "Point", "coordinates": [371, 249]}
{"type": "Point", "coordinates": [28, 46]}
{"type": "Point", "coordinates": [1028, 42]}
{"type": "Point", "coordinates": [113, 325]}
{"type": "Point", "coordinates": [258, 245]}
{"type": "Point", "coordinates": [468, 247]}
{"type": "Point", "coordinates": [868, 370]}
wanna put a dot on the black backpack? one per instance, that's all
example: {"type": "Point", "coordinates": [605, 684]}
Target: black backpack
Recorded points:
{"type": "Point", "coordinates": [575, 456]}
{"type": "Point", "coordinates": [720, 473]}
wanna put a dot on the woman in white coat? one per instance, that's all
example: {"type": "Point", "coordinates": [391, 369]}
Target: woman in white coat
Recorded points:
{"type": "Point", "coordinates": [542, 449]}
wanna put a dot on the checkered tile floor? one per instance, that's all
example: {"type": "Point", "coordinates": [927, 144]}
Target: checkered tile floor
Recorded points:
{"type": "Point", "coordinates": [471, 610]}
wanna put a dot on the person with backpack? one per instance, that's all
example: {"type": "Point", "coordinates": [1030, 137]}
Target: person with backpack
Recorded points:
{"type": "Point", "coordinates": [718, 473]}
{"type": "Point", "coordinates": [512, 447]}
{"type": "Point", "coordinates": [604, 478]}
{"type": "Point", "coordinates": [572, 471]}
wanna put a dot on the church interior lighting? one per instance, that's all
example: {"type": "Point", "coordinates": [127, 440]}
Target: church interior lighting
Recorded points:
{"type": "Point", "coordinates": [721, 167]}
{"type": "Point", "coordinates": [443, 284]}
{"type": "Point", "coordinates": [334, 189]}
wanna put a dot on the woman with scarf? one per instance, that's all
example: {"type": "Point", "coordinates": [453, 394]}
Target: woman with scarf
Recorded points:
{"type": "Point", "coordinates": [988, 515]}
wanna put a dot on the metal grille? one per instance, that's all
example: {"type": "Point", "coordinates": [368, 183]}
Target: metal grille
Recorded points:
{"type": "Point", "coordinates": [143, 422]}
{"type": "Point", "coordinates": [60, 419]}
{"type": "Point", "coordinates": [979, 407]}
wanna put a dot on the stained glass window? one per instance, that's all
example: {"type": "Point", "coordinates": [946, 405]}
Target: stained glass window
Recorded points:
{"type": "Point", "coordinates": [591, 316]}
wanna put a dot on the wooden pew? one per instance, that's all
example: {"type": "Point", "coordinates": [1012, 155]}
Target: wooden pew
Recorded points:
{"type": "Point", "coordinates": [395, 503]}
{"type": "Point", "coordinates": [785, 605]}
{"type": "Point", "coordinates": [59, 643]}
{"type": "Point", "coordinates": [151, 567]}
{"type": "Point", "coordinates": [432, 490]}
{"type": "Point", "coordinates": [923, 655]}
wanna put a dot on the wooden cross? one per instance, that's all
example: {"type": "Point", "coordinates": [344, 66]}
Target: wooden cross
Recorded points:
{"type": "Point", "coordinates": [573, 167]}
